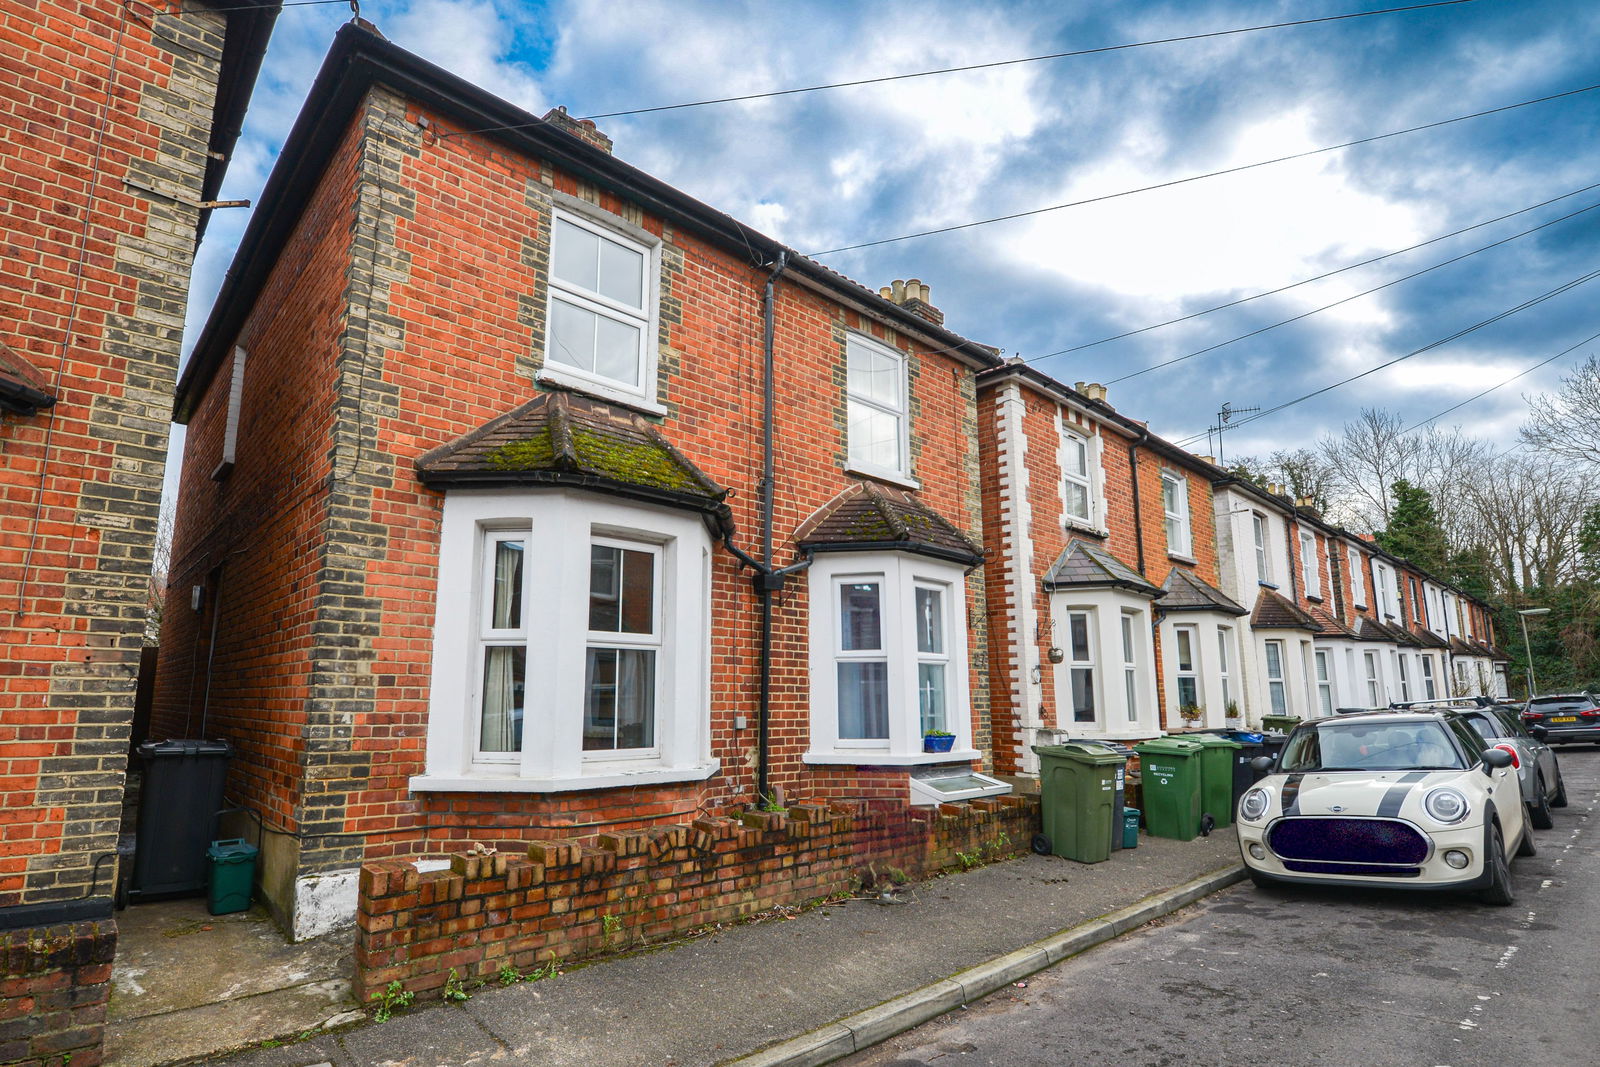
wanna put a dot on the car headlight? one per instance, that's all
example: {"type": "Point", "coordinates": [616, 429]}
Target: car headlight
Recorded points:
{"type": "Point", "coordinates": [1254, 804]}
{"type": "Point", "coordinates": [1446, 805]}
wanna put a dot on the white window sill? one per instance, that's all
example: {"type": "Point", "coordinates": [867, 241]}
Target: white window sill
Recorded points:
{"type": "Point", "coordinates": [879, 474]}
{"type": "Point", "coordinates": [614, 779]}
{"type": "Point", "coordinates": [551, 372]}
{"type": "Point", "coordinates": [872, 757]}
{"type": "Point", "coordinates": [1183, 557]}
{"type": "Point", "coordinates": [1089, 528]}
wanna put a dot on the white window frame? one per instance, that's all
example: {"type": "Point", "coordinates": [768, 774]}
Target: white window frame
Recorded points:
{"type": "Point", "coordinates": [1323, 659]}
{"type": "Point", "coordinates": [645, 319]}
{"type": "Point", "coordinates": [1190, 635]}
{"type": "Point", "coordinates": [1071, 439]}
{"type": "Point", "coordinates": [488, 636]}
{"type": "Point", "coordinates": [1225, 664]}
{"type": "Point", "coordinates": [1358, 582]}
{"type": "Point", "coordinates": [1277, 684]}
{"type": "Point", "coordinates": [901, 411]}
{"type": "Point", "coordinates": [1387, 589]}
{"type": "Point", "coordinates": [1088, 662]}
{"type": "Point", "coordinates": [619, 640]}
{"type": "Point", "coordinates": [1430, 689]}
{"type": "Point", "coordinates": [1258, 527]}
{"type": "Point", "coordinates": [560, 526]}
{"type": "Point", "coordinates": [899, 576]}
{"type": "Point", "coordinates": [1375, 693]}
{"type": "Point", "coordinates": [1310, 571]}
{"type": "Point", "coordinates": [1180, 539]}
{"type": "Point", "coordinates": [1405, 675]}
{"type": "Point", "coordinates": [1130, 631]}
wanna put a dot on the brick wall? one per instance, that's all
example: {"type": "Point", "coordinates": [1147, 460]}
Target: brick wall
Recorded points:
{"type": "Point", "coordinates": [567, 899]}
{"type": "Point", "coordinates": [54, 983]}
{"type": "Point", "coordinates": [323, 543]}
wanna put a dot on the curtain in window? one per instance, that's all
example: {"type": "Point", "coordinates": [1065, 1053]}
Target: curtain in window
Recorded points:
{"type": "Point", "coordinates": [504, 667]}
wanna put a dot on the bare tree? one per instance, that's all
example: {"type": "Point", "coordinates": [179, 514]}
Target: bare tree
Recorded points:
{"type": "Point", "coordinates": [1365, 461]}
{"type": "Point", "coordinates": [1567, 423]}
{"type": "Point", "coordinates": [1528, 512]}
{"type": "Point", "coordinates": [156, 589]}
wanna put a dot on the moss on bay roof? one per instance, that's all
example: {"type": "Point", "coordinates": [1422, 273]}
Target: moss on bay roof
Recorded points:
{"type": "Point", "coordinates": [871, 516]}
{"type": "Point", "coordinates": [563, 439]}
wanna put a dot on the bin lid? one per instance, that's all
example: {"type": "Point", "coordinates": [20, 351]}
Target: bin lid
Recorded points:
{"type": "Point", "coordinates": [191, 747]}
{"type": "Point", "coordinates": [1244, 737]}
{"type": "Point", "coordinates": [1212, 741]}
{"type": "Point", "coordinates": [1115, 746]}
{"type": "Point", "coordinates": [232, 849]}
{"type": "Point", "coordinates": [1080, 752]}
{"type": "Point", "coordinates": [1168, 746]}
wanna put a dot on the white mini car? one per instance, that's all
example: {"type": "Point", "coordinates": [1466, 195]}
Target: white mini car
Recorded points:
{"type": "Point", "coordinates": [1407, 800]}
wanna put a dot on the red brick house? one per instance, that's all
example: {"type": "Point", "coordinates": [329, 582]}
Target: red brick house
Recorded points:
{"type": "Point", "coordinates": [1104, 615]}
{"type": "Point", "coordinates": [525, 496]}
{"type": "Point", "coordinates": [116, 122]}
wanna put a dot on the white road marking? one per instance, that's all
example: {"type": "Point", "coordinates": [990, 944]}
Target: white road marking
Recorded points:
{"type": "Point", "coordinates": [1505, 957]}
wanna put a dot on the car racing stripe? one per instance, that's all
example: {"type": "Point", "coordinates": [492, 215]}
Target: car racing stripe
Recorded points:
{"type": "Point", "coordinates": [1397, 793]}
{"type": "Point", "coordinates": [1291, 794]}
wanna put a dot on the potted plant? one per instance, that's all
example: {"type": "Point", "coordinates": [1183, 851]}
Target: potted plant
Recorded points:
{"type": "Point", "coordinates": [1231, 711]}
{"type": "Point", "coordinates": [938, 741]}
{"type": "Point", "coordinates": [1191, 713]}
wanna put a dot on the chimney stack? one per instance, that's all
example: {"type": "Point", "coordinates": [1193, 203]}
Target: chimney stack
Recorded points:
{"type": "Point", "coordinates": [912, 295]}
{"type": "Point", "coordinates": [583, 129]}
{"type": "Point", "coordinates": [1094, 391]}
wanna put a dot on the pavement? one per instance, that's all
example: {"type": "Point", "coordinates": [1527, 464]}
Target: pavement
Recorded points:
{"type": "Point", "coordinates": [792, 988]}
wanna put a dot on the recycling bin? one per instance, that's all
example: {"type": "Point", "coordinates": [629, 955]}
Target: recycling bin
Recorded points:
{"type": "Point", "coordinates": [1170, 767]}
{"type": "Point", "coordinates": [232, 866]}
{"type": "Point", "coordinates": [1217, 764]}
{"type": "Point", "coordinates": [1251, 745]}
{"type": "Point", "coordinates": [1077, 791]}
{"type": "Point", "coordinates": [1120, 804]}
{"type": "Point", "coordinates": [1130, 827]}
{"type": "Point", "coordinates": [178, 806]}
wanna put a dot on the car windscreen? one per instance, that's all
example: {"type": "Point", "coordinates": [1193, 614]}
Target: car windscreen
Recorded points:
{"type": "Point", "coordinates": [1549, 704]}
{"type": "Point", "coordinates": [1370, 746]}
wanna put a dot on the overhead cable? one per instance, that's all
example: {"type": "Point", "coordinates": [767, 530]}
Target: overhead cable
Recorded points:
{"type": "Point", "coordinates": [1501, 384]}
{"type": "Point", "coordinates": [1347, 299]}
{"type": "Point", "coordinates": [1201, 177]}
{"type": "Point", "coordinates": [1525, 305]}
{"type": "Point", "coordinates": [1314, 278]}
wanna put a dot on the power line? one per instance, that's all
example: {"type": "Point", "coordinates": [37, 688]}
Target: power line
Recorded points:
{"type": "Point", "coordinates": [1314, 278]}
{"type": "Point", "coordinates": [1348, 299]}
{"type": "Point", "coordinates": [1014, 62]}
{"type": "Point", "coordinates": [1498, 385]}
{"type": "Point", "coordinates": [1525, 305]}
{"type": "Point", "coordinates": [1201, 177]}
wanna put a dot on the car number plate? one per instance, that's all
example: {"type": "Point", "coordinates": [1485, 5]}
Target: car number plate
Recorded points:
{"type": "Point", "coordinates": [1565, 718]}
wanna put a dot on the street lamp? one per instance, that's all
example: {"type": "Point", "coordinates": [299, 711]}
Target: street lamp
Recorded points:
{"type": "Point", "coordinates": [1527, 649]}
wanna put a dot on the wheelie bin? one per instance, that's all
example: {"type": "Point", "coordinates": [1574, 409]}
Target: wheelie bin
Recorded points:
{"type": "Point", "coordinates": [1120, 804]}
{"type": "Point", "coordinates": [1171, 770]}
{"type": "Point", "coordinates": [1217, 796]}
{"type": "Point", "coordinates": [178, 805]}
{"type": "Point", "coordinates": [1251, 745]}
{"type": "Point", "coordinates": [232, 872]}
{"type": "Point", "coordinates": [1077, 790]}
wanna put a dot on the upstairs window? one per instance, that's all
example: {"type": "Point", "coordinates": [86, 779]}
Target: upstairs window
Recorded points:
{"type": "Point", "coordinates": [876, 402]}
{"type": "Point", "coordinates": [599, 326]}
{"type": "Point", "coordinates": [1358, 584]}
{"type": "Point", "coordinates": [1175, 506]}
{"type": "Point", "coordinates": [1077, 485]}
{"type": "Point", "coordinates": [1258, 526]}
{"type": "Point", "coordinates": [1310, 572]}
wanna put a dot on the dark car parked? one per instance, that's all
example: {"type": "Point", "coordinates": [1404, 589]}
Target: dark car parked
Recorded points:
{"type": "Point", "coordinates": [1565, 717]}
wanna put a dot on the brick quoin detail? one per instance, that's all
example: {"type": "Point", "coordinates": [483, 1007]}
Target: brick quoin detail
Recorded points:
{"type": "Point", "coordinates": [54, 984]}
{"type": "Point", "coordinates": [567, 899]}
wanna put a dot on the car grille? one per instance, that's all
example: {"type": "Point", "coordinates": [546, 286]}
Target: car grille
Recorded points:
{"type": "Point", "coordinates": [1325, 840]}
{"type": "Point", "coordinates": [1308, 867]}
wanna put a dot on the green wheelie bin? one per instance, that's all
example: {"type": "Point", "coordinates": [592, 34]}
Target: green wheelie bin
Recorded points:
{"type": "Point", "coordinates": [1171, 770]}
{"type": "Point", "coordinates": [1216, 776]}
{"type": "Point", "coordinates": [1077, 795]}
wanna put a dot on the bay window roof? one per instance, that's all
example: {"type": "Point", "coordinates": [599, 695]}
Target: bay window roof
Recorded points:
{"type": "Point", "coordinates": [1086, 566]}
{"type": "Point", "coordinates": [872, 517]}
{"type": "Point", "coordinates": [1188, 592]}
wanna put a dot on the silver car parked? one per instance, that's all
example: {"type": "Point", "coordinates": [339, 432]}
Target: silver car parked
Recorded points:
{"type": "Point", "coordinates": [1542, 786]}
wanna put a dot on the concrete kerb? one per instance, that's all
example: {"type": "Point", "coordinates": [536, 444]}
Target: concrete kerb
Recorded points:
{"type": "Point", "coordinates": [867, 1028]}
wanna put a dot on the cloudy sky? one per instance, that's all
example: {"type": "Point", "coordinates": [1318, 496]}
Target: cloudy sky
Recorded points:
{"type": "Point", "coordinates": [842, 167]}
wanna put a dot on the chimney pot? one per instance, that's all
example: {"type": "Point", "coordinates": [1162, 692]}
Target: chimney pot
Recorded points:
{"type": "Point", "coordinates": [913, 296]}
{"type": "Point", "coordinates": [1095, 391]}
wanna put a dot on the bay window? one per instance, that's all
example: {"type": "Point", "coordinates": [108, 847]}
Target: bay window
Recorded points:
{"type": "Point", "coordinates": [1080, 665]}
{"type": "Point", "coordinates": [1324, 682]}
{"type": "Point", "coordinates": [1429, 689]}
{"type": "Point", "coordinates": [1225, 664]}
{"type": "Point", "coordinates": [1277, 692]}
{"type": "Point", "coordinates": [1374, 687]}
{"type": "Point", "coordinates": [1130, 664]}
{"type": "Point", "coordinates": [570, 645]}
{"type": "Point", "coordinates": [888, 658]}
{"type": "Point", "coordinates": [1188, 676]}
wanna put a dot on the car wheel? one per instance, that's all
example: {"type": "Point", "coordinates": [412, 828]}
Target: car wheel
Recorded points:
{"type": "Point", "coordinates": [1539, 810]}
{"type": "Point", "coordinates": [1041, 845]}
{"type": "Point", "coordinates": [1498, 892]}
{"type": "Point", "coordinates": [1259, 880]}
{"type": "Point", "coordinates": [1526, 847]}
{"type": "Point", "coordinates": [1560, 799]}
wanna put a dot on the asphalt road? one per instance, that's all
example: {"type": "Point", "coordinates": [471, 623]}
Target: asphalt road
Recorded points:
{"type": "Point", "coordinates": [1296, 976]}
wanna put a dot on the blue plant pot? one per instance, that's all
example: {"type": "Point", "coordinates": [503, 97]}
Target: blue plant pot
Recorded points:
{"type": "Point", "coordinates": [938, 744]}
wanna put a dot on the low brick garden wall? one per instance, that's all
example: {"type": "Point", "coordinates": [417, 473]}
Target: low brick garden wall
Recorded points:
{"type": "Point", "coordinates": [54, 983]}
{"type": "Point", "coordinates": [566, 900]}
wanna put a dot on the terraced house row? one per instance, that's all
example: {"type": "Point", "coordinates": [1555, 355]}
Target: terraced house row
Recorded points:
{"type": "Point", "coordinates": [526, 498]}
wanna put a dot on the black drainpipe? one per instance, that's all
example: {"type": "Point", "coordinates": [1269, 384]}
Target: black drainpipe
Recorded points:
{"type": "Point", "coordinates": [1138, 516]}
{"type": "Point", "coordinates": [766, 582]}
